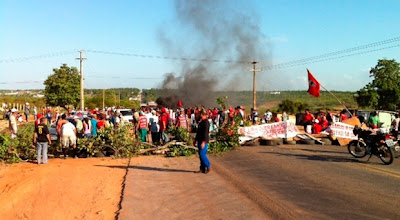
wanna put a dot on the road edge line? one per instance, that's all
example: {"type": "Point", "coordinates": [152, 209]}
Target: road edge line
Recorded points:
{"type": "Point", "coordinates": [121, 197]}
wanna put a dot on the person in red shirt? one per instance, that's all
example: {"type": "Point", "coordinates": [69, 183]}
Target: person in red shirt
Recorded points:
{"type": "Point", "coordinates": [307, 119]}
{"type": "Point", "coordinates": [100, 121]}
{"type": "Point", "coordinates": [317, 128]}
{"type": "Point", "coordinates": [324, 122]}
{"type": "Point", "coordinates": [275, 117]}
{"type": "Point", "coordinates": [163, 124]}
{"type": "Point", "coordinates": [343, 116]}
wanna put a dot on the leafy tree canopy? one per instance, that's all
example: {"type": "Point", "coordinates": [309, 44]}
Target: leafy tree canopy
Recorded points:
{"type": "Point", "coordinates": [384, 90]}
{"type": "Point", "coordinates": [63, 87]}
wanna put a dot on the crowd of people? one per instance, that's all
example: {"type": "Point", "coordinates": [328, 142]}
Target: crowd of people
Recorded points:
{"type": "Point", "coordinates": [150, 124]}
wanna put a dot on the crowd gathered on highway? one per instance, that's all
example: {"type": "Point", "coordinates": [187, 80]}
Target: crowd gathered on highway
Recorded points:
{"type": "Point", "coordinates": [151, 122]}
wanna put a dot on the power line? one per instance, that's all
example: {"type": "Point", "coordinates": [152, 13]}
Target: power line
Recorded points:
{"type": "Point", "coordinates": [345, 51]}
{"type": "Point", "coordinates": [22, 82]}
{"type": "Point", "coordinates": [21, 59]}
{"type": "Point", "coordinates": [169, 58]}
{"type": "Point", "coordinates": [332, 58]}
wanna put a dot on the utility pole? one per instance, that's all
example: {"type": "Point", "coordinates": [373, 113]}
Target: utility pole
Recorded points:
{"type": "Point", "coordinates": [254, 83]}
{"type": "Point", "coordinates": [81, 73]}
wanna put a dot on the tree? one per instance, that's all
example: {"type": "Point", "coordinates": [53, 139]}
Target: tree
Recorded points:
{"type": "Point", "coordinates": [63, 87]}
{"type": "Point", "coordinates": [384, 90]}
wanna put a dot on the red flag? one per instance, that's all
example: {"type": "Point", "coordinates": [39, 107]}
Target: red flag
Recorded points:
{"type": "Point", "coordinates": [179, 104]}
{"type": "Point", "coordinates": [313, 85]}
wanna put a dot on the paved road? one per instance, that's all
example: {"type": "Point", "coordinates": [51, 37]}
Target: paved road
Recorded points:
{"type": "Point", "coordinates": [282, 182]}
{"type": "Point", "coordinates": [167, 188]}
{"type": "Point", "coordinates": [317, 181]}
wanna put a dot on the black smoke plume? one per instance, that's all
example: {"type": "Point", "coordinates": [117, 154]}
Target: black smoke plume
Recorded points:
{"type": "Point", "coordinates": [218, 42]}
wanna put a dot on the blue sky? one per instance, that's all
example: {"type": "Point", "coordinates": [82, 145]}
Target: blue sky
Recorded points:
{"type": "Point", "coordinates": [293, 30]}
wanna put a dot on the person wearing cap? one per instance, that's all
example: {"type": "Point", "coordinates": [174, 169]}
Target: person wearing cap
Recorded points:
{"type": "Point", "coordinates": [142, 126]}
{"type": "Point", "coordinates": [41, 140]}
{"type": "Point", "coordinates": [201, 141]}
{"type": "Point", "coordinates": [13, 123]}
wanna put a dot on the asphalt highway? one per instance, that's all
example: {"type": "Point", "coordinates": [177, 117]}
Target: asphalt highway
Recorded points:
{"type": "Point", "coordinates": [313, 182]}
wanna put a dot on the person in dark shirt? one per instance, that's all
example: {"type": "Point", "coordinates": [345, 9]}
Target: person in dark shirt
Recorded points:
{"type": "Point", "coordinates": [41, 139]}
{"type": "Point", "coordinates": [201, 140]}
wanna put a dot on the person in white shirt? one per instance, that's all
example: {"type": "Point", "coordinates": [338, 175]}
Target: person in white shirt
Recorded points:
{"type": "Point", "coordinates": [35, 112]}
{"type": "Point", "coordinates": [68, 138]}
{"type": "Point", "coordinates": [13, 123]}
{"type": "Point", "coordinates": [268, 116]}
{"type": "Point", "coordinates": [395, 123]}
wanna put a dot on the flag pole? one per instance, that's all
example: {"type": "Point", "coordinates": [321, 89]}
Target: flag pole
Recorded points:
{"type": "Point", "coordinates": [336, 99]}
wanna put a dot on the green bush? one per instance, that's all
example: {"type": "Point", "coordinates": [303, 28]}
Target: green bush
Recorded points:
{"type": "Point", "coordinates": [20, 148]}
{"type": "Point", "coordinates": [118, 141]}
{"type": "Point", "coordinates": [227, 138]}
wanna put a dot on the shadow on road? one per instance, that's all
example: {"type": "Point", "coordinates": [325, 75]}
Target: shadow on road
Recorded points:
{"type": "Point", "coordinates": [150, 169]}
{"type": "Point", "coordinates": [317, 157]}
{"type": "Point", "coordinates": [323, 151]}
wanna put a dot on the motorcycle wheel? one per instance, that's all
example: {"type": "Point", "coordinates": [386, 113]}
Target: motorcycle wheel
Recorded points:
{"type": "Point", "coordinates": [357, 149]}
{"type": "Point", "coordinates": [385, 154]}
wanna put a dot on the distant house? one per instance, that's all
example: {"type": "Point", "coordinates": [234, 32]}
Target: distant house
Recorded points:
{"type": "Point", "coordinates": [134, 99]}
{"type": "Point", "coordinates": [275, 93]}
{"type": "Point", "coordinates": [11, 93]}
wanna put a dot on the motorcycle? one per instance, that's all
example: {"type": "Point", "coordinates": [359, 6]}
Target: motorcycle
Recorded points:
{"type": "Point", "coordinates": [379, 144]}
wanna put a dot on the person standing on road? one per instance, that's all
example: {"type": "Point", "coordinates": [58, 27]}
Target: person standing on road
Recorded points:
{"type": "Point", "coordinates": [41, 140]}
{"type": "Point", "coordinates": [154, 128]}
{"type": "Point", "coordinates": [86, 128]}
{"type": "Point", "coordinates": [182, 121]}
{"type": "Point", "coordinates": [68, 138]}
{"type": "Point", "coordinates": [395, 123]}
{"type": "Point", "coordinates": [201, 141]}
{"type": "Point", "coordinates": [142, 126]}
{"type": "Point", "coordinates": [163, 125]}
{"type": "Point", "coordinates": [13, 123]}
{"type": "Point", "coordinates": [79, 127]}
{"type": "Point", "coordinates": [48, 115]}
{"type": "Point", "coordinates": [27, 110]}
{"type": "Point", "coordinates": [93, 123]}
{"type": "Point", "coordinates": [35, 112]}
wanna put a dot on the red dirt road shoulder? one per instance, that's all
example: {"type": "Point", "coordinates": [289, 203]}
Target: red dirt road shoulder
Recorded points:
{"type": "Point", "coordinates": [62, 189]}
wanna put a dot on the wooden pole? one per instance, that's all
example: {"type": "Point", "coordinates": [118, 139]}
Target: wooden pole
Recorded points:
{"type": "Point", "coordinates": [336, 99]}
